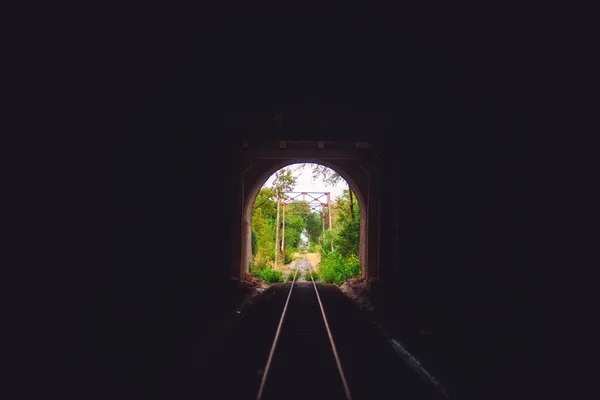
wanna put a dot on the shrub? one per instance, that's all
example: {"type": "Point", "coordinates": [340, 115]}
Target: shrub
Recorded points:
{"type": "Point", "coordinates": [261, 260]}
{"type": "Point", "coordinates": [346, 242]}
{"type": "Point", "coordinates": [290, 276]}
{"type": "Point", "coordinates": [314, 274]}
{"type": "Point", "coordinates": [335, 268]}
{"type": "Point", "coordinates": [268, 275]}
{"type": "Point", "coordinates": [328, 238]}
{"type": "Point", "coordinates": [254, 242]}
{"type": "Point", "coordinates": [289, 255]}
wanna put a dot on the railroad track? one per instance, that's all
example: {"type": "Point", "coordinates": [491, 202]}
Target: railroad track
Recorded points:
{"type": "Point", "coordinates": [267, 368]}
{"type": "Point", "coordinates": [307, 340]}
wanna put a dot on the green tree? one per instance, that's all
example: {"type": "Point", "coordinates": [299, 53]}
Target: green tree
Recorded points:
{"type": "Point", "coordinates": [314, 226]}
{"type": "Point", "coordinates": [254, 242]}
{"type": "Point", "coordinates": [344, 208]}
{"type": "Point", "coordinates": [264, 195]}
{"type": "Point", "coordinates": [330, 178]}
{"type": "Point", "coordinates": [284, 181]}
{"type": "Point", "coordinates": [346, 241]}
{"type": "Point", "coordinates": [264, 221]}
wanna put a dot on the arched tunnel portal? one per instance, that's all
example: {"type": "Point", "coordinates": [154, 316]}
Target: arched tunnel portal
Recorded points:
{"type": "Point", "coordinates": [355, 162]}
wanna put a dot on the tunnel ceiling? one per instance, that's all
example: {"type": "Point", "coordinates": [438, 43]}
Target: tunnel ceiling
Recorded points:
{"type": "Point", "coordinates": [308, 144]}
{"type": "Point", "coordinates": [307, 150]}
{"type": "Point", "coordinates": [318, 125]}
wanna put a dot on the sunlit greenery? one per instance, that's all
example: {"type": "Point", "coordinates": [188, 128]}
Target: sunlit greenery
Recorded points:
{"type": "Point", "coordinates": [291, 275]}
{"type": "Point", "coordinates": [315, 276]}
{"type": "Point", "coordinates": [338, 246]}
{"type": "Point", "coordinates": [268, 275]}
{"type": "Point", "coordinates": [335, 268]}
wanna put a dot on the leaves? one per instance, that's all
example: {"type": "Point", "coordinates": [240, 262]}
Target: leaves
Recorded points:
{"type": "Point", "coordinates": [335, 268]}
{"type": "Point", "coordinates": [348, 237]}
{"type": "Point", "coordinates": [337, 265]}
{"type": "Point", "coordinates": [284, 182]}
{"type": "Point", "coordinates": [254, 242]}
{"type": "Point", "coordinates": [268, 275]}
{"type": "Point", "coordinates": [322, 172]}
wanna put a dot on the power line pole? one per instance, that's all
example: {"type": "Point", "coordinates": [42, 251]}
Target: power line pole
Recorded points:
{"type": "Point", "coordinates": [329, 209]}
{"type": "Point", "coordinates": [329, 212]}
{"type": "Point", "coordinates": [314, 203]}
{"type": "Point", "coordinates": [283, 236]}
{"type": "Point", "coordinates": [277, 233]}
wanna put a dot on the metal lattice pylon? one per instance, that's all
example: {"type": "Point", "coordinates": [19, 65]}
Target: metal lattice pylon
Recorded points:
{"type": "Point", "coordinates": [316, 201]}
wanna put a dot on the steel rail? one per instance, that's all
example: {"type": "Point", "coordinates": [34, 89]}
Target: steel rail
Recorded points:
{"type": "Point", "coordinates": [335, 353]}
{"type": "Point", "coordinates": [274, 345]}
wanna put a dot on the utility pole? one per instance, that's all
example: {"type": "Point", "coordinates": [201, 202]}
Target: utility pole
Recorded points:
{"type": "Point", "coordinates": [329, 212]}
{"type": "Point", "coordinates": [277, 233]}
{"type": "Point", "coordinates": [329, 208]}
{"type": "Point", "coordinates": [283, 236]}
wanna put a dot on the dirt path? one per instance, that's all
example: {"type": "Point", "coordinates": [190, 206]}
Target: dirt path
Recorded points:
{"type": "Point", "coordinates": [313, 258]}
{"type": "Point", "coordinates": [287, 268]}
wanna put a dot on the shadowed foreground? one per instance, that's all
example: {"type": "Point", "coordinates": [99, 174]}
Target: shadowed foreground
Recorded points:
{"type": "Point", "coordinates": [303, 365]}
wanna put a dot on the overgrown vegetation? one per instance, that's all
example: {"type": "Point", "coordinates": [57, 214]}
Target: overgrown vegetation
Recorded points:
{"type": "Point", "coordinates": [290, 276]}
{"type": "Point", "coordinates": [338, 246]}
{"type": "Point", "coordinates": [314, 274]}
{"type": "Point", "coordinates": [335, 268]}
{"type": "Point", "coordinates": [268, 275]}
{"type": "Point", "coordinates": [342, 262]}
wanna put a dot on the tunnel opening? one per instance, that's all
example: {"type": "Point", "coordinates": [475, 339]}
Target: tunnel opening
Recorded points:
{"type": "Point", "coordinates": [305, 213]}
{"type": "Point", "coordinates": [353, 162]}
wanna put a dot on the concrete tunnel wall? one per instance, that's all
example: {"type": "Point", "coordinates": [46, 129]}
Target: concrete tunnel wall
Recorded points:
{"type": "Point", "coordinates": [254, 177]}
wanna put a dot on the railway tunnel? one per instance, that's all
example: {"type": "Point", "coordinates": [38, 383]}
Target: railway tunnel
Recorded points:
{"type": "Point", "coordinates": [354, 161]}
{"type": "Point", "coordinates": [434, 237]}
{"type": "Point", "coordinates": [435, 149]}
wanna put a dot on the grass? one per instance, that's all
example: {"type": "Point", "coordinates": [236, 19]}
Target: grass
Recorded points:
{"type": "Point", "coordinates": [314, 274]}
{"type": "Point", "coordinates": [290, 276]}
{"type": "Point", "coordinates": [335, 268]}
{"type": "Point", "coordinates": [268, 275]}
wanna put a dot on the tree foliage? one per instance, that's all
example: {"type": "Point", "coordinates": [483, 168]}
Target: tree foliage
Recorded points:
{"type": "Point", "coordinates": [314, 226]}
{"type": "Point", "coordinates": [338, 246]}
{"type": "Point", "coordinates": [346, 241]}
{"type": "Point", "coordinates": [284, 181]}
{"type": "Point", "coordinates": [254, 242]}
{"type": "Point", "coordinates": [330, 178]}
{"type": "Point", "coordinates": [264, 222]}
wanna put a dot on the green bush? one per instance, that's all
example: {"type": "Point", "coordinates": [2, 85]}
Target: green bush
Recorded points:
{"type": "Point", "coordinates": [254, 242]}
{"type": "Point", "coordinates": [268, 275]}
{"type": "Point", "coordinates": [335, 268]}
{"type": "Point", "coordinates": [260, 261]}
{"type": "Point", "coordinates": [290, 276]}
{"type": "Point", "coordinates": [289, 254]}
{"type": "Point", "coordinates": [346, 242]}
{"type": "Point", "coordinates": [328, 238]}
{"type": "Point", "coordinates": [314, 274]}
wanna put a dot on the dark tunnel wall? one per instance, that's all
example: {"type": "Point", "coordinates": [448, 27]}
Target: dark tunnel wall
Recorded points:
{"type": "Point", "coordinates": [447, 122]}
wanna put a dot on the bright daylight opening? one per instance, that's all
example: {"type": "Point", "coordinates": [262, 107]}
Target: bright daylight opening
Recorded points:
{"type": "Point", "coordinates": [305, 221]}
